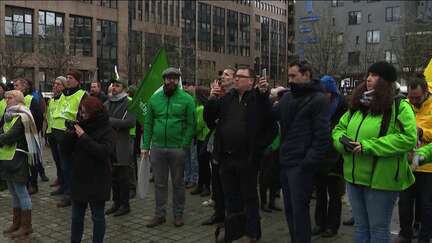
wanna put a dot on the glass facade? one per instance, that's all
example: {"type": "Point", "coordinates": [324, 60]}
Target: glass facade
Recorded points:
{"type": "Point", "coordinates": [106, 48]}
{"type": "Point", "coordinates": [80, 36]}
{"type": "Point", "coordinates": [232, 25]}
{"type": "Point", "coordinates": [218, 30]}
{"type": "Point", "coordinates": [204, 27]}
{"type": "Point", "coordinates": [19, 29]}
{"type": "Point", "coordinates": [188, 51]}
{"type": "Point", "coordinates": [51, 31]}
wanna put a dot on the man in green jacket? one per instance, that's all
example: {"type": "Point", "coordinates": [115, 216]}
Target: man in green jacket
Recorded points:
{"type": "Point", "coordinates": [168, 131]}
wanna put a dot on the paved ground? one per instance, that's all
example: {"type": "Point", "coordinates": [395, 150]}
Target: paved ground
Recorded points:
{"type": "Point", "coordinates": [52, 224]}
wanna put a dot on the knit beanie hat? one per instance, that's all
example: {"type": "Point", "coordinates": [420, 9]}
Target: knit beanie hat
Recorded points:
{"type": "Point", "coordinates": [76, 75]}
{"type": "Point", "coordinates": [385, 70]}
{"type": "Point", "coordinates": [329, 84]}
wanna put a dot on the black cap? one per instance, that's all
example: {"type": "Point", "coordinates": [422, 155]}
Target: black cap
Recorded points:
{"type": "Point", "coordinates": [385, 70]}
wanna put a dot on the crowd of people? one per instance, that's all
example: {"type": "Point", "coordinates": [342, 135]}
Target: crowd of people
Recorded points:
{"type": "Point", "coordinates": [239, 141]}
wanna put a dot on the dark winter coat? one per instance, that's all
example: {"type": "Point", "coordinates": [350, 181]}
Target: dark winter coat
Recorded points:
{"type": "Point", "coordinates": [305, 127]}
{"type": "Point", "coordinates": [261, 128]}
{"type": "Point", "coordinates": [91, 166]}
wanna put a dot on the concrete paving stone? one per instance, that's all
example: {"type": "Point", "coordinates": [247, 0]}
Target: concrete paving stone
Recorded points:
{"type": "Point", "coordinates": [52, 224]}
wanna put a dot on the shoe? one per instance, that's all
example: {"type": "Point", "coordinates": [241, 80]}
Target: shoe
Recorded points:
{"type": "Point", "coordinates": [401, 239]}
{"type": "Point", "coordinates": [57, 192]}
{"type": "Point", "coordinates": [329, 233]}
{"type": "Point", "coordinates": [197, 190]}
{"type": "Point", "coordinates": [123, 210]}
{"type": "Point", "coordinates": [348, 222]}
{"type": "Point", "coordinates": [273, 206]}
{"type": "Point", "coordinates": [205, 192]}
{"type": "Point", "coordinates": [44, 178]}
{"type": "Point", "coordinates": [178, 221]}
{"type": "Point", "coordinates": [156, 221]}
{"type": "Point", "coordinates": [26, 225]}
{"type": "Point", "coordinates": [208, 203]}
{"type": "Point", "coordinates": [190, 185]}
{"type": "Point", "coordinates": [55, 183]}
{"type": "Point", "coordinates": [64, 203]}
{"type": "Point", "coordinates": [212, 220]}
{"type": "Point", "coordinates": [16, 221]}
{"type": "Point", "coordinates": [112, 209]}
{"type": "Point", "coordinates": [33, 190]}
{"type": "Point", "coordinates": [265, 209]}
{"type": "Point", "coordinates": [317, 230]}
{"type": "Point", "coordinates": [132, 193]}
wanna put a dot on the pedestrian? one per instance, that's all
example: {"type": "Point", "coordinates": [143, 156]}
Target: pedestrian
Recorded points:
{"type": "Point", "coordinates": [226, 81]}
{"type": "Point", "coordinates": [305, 139]}
{"type": "Point", "coordinates": [204, 174]}
{"type": "Point", "coordinates": [66, 112]}
{"type": "Point", "coordinates": [244, 129]}
{"type": "Point", "coordinates": [33, 105]}
{"type": "Point", "coordinates": [96, 91]}
{"type": "Point", "coordinates": [88, 143]}
{"type": "Point", "coordinates": [169, 127]}
{"type": "Point", "coordinates": [3, 105]}
{"type": "Point", "coordinates": [418, 195]}
{"type": "Point", "coordinates": [329, 183]}
{"type": "Point", "coordinates": [57, 89]}
{"type": "Point", "coordinates": [19, 148]}
{"type": "Point", "coordinates": [121, 121]}
{"type": "Point", "coordinates": [374, 137]}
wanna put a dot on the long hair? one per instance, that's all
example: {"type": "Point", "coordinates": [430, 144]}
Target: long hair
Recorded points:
{"type": "Point", "coordinates": [382, 101]}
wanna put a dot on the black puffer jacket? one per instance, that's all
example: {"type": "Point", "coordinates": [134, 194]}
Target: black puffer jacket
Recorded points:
{"type": "Point", "coordinates": [305, 127]}
{"type": "Point", "coordinates": [91, 166]}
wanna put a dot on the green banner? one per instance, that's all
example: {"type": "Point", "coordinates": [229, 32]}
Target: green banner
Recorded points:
{"type": "Point", "coordinates": [152, 81]}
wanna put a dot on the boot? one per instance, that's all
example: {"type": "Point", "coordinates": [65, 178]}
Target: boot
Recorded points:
{"type": "Point", "coordinates": [26, 225]}
{"type": "Point", "coordinates": [16, 221]}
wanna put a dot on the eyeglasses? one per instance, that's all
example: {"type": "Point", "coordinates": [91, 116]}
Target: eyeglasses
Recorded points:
{"type": "Point", "coordinates": [241, 76]}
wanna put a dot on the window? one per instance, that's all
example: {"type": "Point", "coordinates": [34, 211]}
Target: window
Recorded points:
{"type": "Point", "coordinates": [232, 25]}
{"type": "Point", "coordinates": [354, 17]}
{"type": "Point", "coordinates": [369, 18]}
{"type": "Point", "coordinates": [373, 36]}
{"type": "Point", "coordinates": [159, 9]}
{"type": "Point", "coordinates": [390, 57]}
{"type": "Point", "coordinates": [354, 58]}
{"type": "Point", "coordinates": [107, 3]}
{"type": "Point", "coordinates": [337, 3]}
{"type": "Point", "coordinates": [146, 11]}
{"type": "Point", "coordinates": [257, 39]}
{"type": "Point", "coordinates": [204, 26]}
{"type": "Point", "coordinates": [171, 13]}
{"type": "Point", "coordinates": [19, 29]}
{"type": "Point", "coordinates": [106, 48]}
{"type": "Point", "coordinates": [140, 10]}
{"type": "Point", "coordinates": [393, 14]}
{"type": "Point", "coordinates": [153, 10]}
{"type": "Point", "coordinates": [51, 31]}
{"type": "Point", "coordinates": [218, 30]}
{"type": "Point", "coordinates": [333, 21]}
{"type": "Point", "coordinates": [165, 13]}
{"type": "Point", "coordinates": [357, 41]}
{"type": "Point", "coordinates": [244, 35]}
{"type": "Point", "coordinates": [340, 38]}
{"type": "Point", "coordinates": [80, 35]}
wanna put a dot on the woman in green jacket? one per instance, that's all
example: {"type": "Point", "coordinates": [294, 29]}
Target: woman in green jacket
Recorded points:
{"type": "Point", "coordinates": [382, 130]}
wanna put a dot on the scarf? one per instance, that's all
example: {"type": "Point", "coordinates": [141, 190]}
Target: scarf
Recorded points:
{"type": "Point", "coordinates": [367, 97]}
{"type": "Point", "coordinates": [32, 137]}
{"type": "Point", "coordinates": [117, 97]}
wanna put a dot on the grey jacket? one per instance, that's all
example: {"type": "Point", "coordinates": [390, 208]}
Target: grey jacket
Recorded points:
{"type": "Point", "coordinates": [121, 121]}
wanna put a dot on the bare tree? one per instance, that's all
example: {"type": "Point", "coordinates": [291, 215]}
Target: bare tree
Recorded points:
{"type": "Point", "coordinates": [324, 47]}
{"type": "Point", "coordinates": [54, 54]}
{"type": "Point", "coordinates": [12, 55]}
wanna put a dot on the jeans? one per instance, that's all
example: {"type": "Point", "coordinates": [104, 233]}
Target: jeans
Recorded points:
{"type": "Point", "coordinates": [240, 189]}
{"type": "Point", "coordinates": [204, 174]}
{"type": "Point", "coordinates": [191, 165]}
{"type": "Point", "coordinates": [420, 195]}
{"type": "Point", "coordinates": [329, 192]}
{"type": "Point", "coordinates": [297, 188]}
{"type": "Point", "coordinates": [20, 197]}
{"type": "Point", "coordinates": [166, 161]}
{"type": "Point", "coordinates": [372, 211]}
{"type": "Point", "coordinates": [98, 218]}
{"type": "Point", "coordinates": [217, 192]}
{"type": "Point", "coordinates": [56, 156]}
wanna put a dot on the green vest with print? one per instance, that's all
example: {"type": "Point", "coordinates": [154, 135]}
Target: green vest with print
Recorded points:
{"type": "Point", "coordinates": [27, 100]}
{"type": "Point", "coordinates": [66, 109]}
{"type": "Point", "coordinates": [52, 105]}
{"type": "Point", "coordinates": [7, 152]}
{"type": "Point", "coordinates": [2, 107]}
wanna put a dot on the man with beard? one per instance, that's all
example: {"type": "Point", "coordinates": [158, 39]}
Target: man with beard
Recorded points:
{"type": "Point", "coordinates": [96, 91]}
{"type": "Point", "coordinates": [121, 121]}
{"type": "Point", "coordinates": [305, 139]}
{"type": "Point", "coordinates": [169, 127]}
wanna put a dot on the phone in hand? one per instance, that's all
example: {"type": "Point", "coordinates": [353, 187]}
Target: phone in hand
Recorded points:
{"type": "Point", "coordinates": [264, 73]}
{"type": "Point", "coordinates": [346, 141]}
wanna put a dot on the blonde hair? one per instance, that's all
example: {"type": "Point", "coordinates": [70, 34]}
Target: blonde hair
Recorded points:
{"type": "Point", "coordinates": [17, 95]}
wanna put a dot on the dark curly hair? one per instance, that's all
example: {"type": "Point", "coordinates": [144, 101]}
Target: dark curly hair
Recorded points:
{"type": "Point", "coordinates": [382, 101]}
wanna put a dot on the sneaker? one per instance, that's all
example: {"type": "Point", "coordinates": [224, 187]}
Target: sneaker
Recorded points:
{"type": "Point", "coordinates": [178, 221]}
{"type": "Point", "coordinates": [156, 221]}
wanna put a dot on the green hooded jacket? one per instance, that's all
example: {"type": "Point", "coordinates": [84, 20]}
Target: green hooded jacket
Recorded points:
{"type": "Point", "coordinates": [426, 152]}
{"type": "Point", "coordinates": [170, 121]}
{"type": "Point", "coordinates": [392, 171]}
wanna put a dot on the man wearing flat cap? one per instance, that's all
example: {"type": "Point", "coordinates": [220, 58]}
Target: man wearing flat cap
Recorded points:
{"type": "Point", "coordinates": [168, 131]}
{"type": "Point", "coordinates": [121, 121]}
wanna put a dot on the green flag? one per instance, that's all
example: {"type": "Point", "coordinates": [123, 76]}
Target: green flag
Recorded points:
{"type": "Point", "coordinates": [152, 81]}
